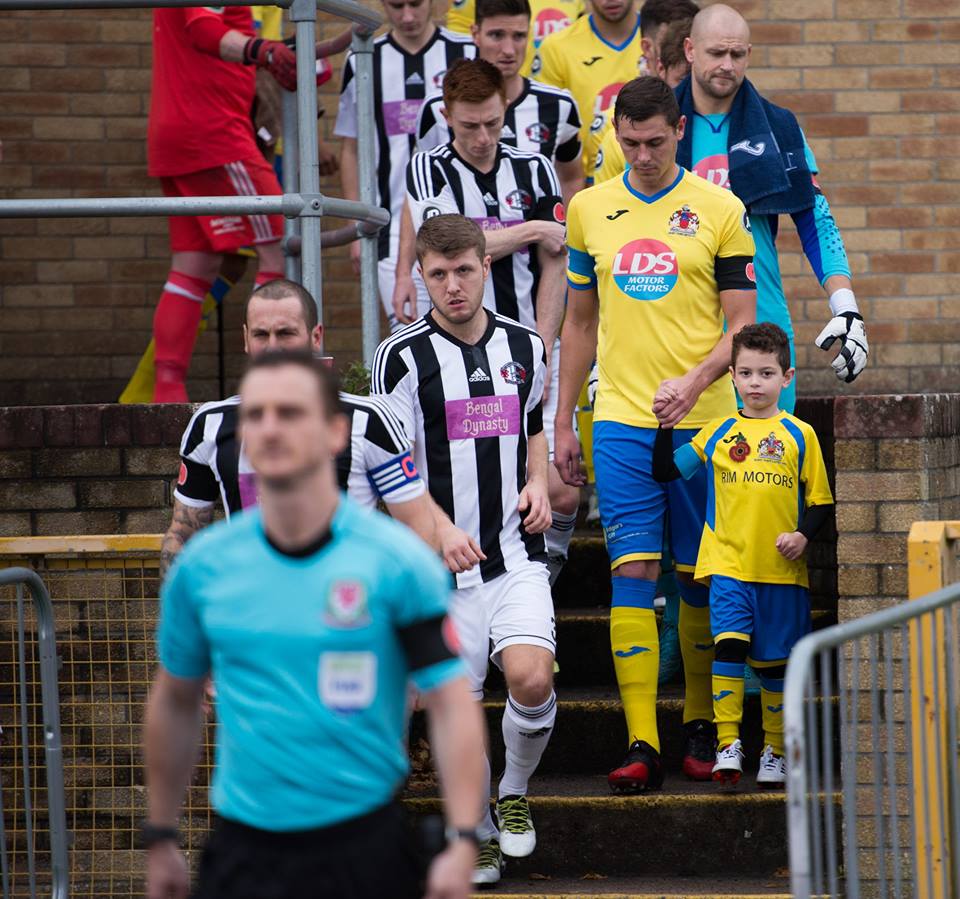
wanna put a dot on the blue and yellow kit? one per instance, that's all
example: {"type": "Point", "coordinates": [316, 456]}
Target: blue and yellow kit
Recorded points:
{"type": "Point", "coordinates": [762, 474]}
{"type": "Point", "coordinates": [592, 69]}
{"type": "Point", "coordinates": [658, 264]}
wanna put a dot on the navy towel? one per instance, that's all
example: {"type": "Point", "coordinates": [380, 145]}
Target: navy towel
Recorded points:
{"type": "Point", "coordinates": [768, 166]}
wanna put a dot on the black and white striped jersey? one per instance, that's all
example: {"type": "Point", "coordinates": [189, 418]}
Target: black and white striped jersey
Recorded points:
{"type": "Point", "coordinates": [470, 411]}
{"type": "Point", "coordinates": [376, 464]}
{"type": "Point", "coordinates": [520, 187]}
{"type": "Point", "coordinates": [401, 81]}
{"type": "Point", "coordinates": [543, 119]}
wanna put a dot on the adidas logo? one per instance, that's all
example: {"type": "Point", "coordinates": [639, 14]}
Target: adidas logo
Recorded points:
{"type": "Point", "coordinates": [478, 375]}
{"type": "Point", "coordinates": [507, 132]}
{"type": "Point", "coordinates": [414, 79]}
{"type": "Point", "coordinates": [489, 199]}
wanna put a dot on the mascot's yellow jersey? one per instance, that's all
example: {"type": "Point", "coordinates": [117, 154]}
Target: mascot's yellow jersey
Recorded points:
{"type": "Point", "coordinates": [762, 474]}
{"type": "Point", "coordinates": [658, 264]}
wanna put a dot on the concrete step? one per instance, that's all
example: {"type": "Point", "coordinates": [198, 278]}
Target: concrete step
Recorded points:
{"type": "Point", "coordinates": [590, 734]}
{"type": "Point", "coordinates": [583, 648]}
{"type": "Point", "coordinates": [686, 830]}
{"type": "Point", "coordinates": [546, 887]}
{"type": "Point", "coordinates": [585, 579]}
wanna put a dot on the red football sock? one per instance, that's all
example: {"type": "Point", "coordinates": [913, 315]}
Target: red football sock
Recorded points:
{"type": "Point", "coordinates": [174, 334]}
{"type": "Point", "coordinates": [263, 277]}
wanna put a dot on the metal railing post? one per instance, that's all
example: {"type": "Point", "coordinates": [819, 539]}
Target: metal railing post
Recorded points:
{"type": "Point", "coordinates": [291, 182]}
{"type": "Point", "coordinates": [799, 672]}
{"type": "Point", "coordinates": [303, 13]}
{"type": "Point", "coordinates": [366, 172]}
{"type": "Point", "coordinates": [52, 745]}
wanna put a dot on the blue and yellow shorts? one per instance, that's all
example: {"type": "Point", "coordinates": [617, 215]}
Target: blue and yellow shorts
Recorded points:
{"type": "Point", "coordinates": [773, 617]}
{"type": "Point", "coordinates": [634, 507]}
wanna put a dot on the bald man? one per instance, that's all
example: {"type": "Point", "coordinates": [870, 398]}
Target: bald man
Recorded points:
{"type": "Point", "coordinates": [741, 141]}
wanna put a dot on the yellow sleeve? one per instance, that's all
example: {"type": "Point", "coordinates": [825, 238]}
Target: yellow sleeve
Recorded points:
{"type": "Point", "coordinates": [736, 238]}
{"type": "Point", "coordinates": [581, 274]}
{"type": "Point", "coordinates": [548, 64]}
{"type": "Point", "coordinates": [461, 15]}
{"type": "Point", "coordinates": [610, 161]}
{"type": "Point", "coordinates": [699, 441]}
{"type": "Point", "coordinates": [814, 472]}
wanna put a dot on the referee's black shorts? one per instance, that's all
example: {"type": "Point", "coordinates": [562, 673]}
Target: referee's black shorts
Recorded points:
{"type": "Point", "coordinates": [371, 857]}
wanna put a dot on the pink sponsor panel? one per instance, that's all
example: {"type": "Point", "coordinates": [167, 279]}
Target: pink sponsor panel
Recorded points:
{"type": "Point", "coordinates": [483, 416]}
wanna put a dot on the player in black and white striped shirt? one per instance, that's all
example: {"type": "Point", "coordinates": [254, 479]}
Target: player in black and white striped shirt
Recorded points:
{"type": "Point", "coordinates": [539, 118]}
{"type": "Point", "coordinates": [467, 385]}
{"type": "Point", "coordinates": [514, 196]}
{"type": "Point", "coordinates": [376, 464]}
{"type": "Point", "coordinates": [409, 62]}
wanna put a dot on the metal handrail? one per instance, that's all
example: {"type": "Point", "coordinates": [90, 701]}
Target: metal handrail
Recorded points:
{"type": "Point", "coordinates": [800, 672]}
{"type": "Point", "coordinates": [344, 9]}
{"type": "Point", "coordinates": [309, 204]}
{"type": "Point", "coordinates": [290, 205]}
{"type": "Point", "coordinates": [53, 748]}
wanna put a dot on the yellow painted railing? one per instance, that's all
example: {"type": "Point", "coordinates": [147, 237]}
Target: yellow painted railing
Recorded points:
{"type": "Point", "coordinates": [932, 559]}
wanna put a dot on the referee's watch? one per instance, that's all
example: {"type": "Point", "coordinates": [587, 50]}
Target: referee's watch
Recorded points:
{"type": "Point", "coordinates": [471, 834]}
{"type": "Point", "coordinates": [152, 834]}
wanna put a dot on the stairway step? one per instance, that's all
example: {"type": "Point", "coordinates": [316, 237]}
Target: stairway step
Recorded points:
{"type": "Point", "coordinates": [583, 830]}
{"type": "Point", "coordinates": [546, 887]}
{"type": "Point", "coordinates": [583, 646]}
{"type": "Point", "coordinates": [585, 578]}
{"type": "Point", "coordinates": [590, 733]}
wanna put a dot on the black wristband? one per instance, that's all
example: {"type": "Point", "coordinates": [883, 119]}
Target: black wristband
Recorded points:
{"type": "Point", "coordinates": [250, 50]}
{"type": "Point", "coordinates": [470, 834]}
{"type": "Point", "coordinates": [151, 834]}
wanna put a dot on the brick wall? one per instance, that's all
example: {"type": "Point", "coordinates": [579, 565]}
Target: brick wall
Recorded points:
{"type": "Point", "coordinates": [874, 83]}
{"type": "Point", "coordinates": [88, 469]}
{"type": "Point", "coordinates": [897, 461]}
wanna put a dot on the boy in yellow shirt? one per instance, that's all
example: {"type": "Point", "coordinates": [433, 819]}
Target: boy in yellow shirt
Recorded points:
{"type": "Point", "coordinates": [768, 496]}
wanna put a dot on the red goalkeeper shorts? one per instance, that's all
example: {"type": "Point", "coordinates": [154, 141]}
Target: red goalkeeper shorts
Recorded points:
{"type": "Point", "coordinates": [224, 233]}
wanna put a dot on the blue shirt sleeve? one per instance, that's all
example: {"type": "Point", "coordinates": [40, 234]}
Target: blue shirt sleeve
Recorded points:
{"type": "Point", "coordinates": [426, 594]}
{"type": "Point", "coordinates": [819, 234]}
{"type": "Point", "coordinates": [181, 643]}
{"type": "Point", "coordinates": [686, 460]}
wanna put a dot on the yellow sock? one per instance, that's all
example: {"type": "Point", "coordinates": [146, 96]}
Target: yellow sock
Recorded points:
{"type": "Point", "coordinates": [696, 647]}
{"type": "Point", "coordinates": [636, 659]}
{"type": "Point", "coordinates": [727, 702]}
{"type": "Point", "coordinates": [771, 701]}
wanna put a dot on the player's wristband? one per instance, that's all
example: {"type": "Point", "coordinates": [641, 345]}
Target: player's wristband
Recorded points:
{"type": "Point", "coordinates": [843, 300]}
{"type": "Point", "coordinates": [471, 835]}
{"type": "Point", "coordinates": [151, 834]}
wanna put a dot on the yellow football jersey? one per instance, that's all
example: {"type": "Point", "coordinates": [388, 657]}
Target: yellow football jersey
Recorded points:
{"type": "Point", "coordinates": [764, 473]}
{"type": "Point", "coordinates": [547, 17]}
{"type": "Point", "coordinates": [269, 22]}
{"type": "Point", "coordinates": [610, 162]}
{"type": "Point", "coordinates": [652, 261]}
{"type": "Point", "coordinates": [591, 69]}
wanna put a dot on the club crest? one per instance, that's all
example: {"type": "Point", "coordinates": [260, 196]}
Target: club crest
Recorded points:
{"type": "Point", "coordinates": [513, 373]}
{"type": "Point", "coordinates": [770, 449]}
{"type": "Point", "coordinates": [347, 605]}
{"type": "Point", "coordinates": [684, 221]}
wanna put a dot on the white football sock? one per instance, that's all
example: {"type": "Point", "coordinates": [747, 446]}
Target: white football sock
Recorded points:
{"type": "Point", "coordinates": [526, 732]}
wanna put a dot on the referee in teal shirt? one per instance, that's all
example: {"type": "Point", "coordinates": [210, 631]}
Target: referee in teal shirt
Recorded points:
{"type": "Point", "coordinates": [312, 615]}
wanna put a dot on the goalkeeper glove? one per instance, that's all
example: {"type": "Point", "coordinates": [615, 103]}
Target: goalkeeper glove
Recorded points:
{"type": "Point", "coordinates": [274, 56]}
{"type": "Point", "coordinates": [852, 358]}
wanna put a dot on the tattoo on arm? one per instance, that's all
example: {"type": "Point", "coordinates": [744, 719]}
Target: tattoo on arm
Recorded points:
{"type": "Point", "coordinates": [187, 520]}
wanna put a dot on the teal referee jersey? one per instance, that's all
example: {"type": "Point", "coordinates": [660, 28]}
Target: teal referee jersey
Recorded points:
{"type": "Point", "coordinates": [311, 655]}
